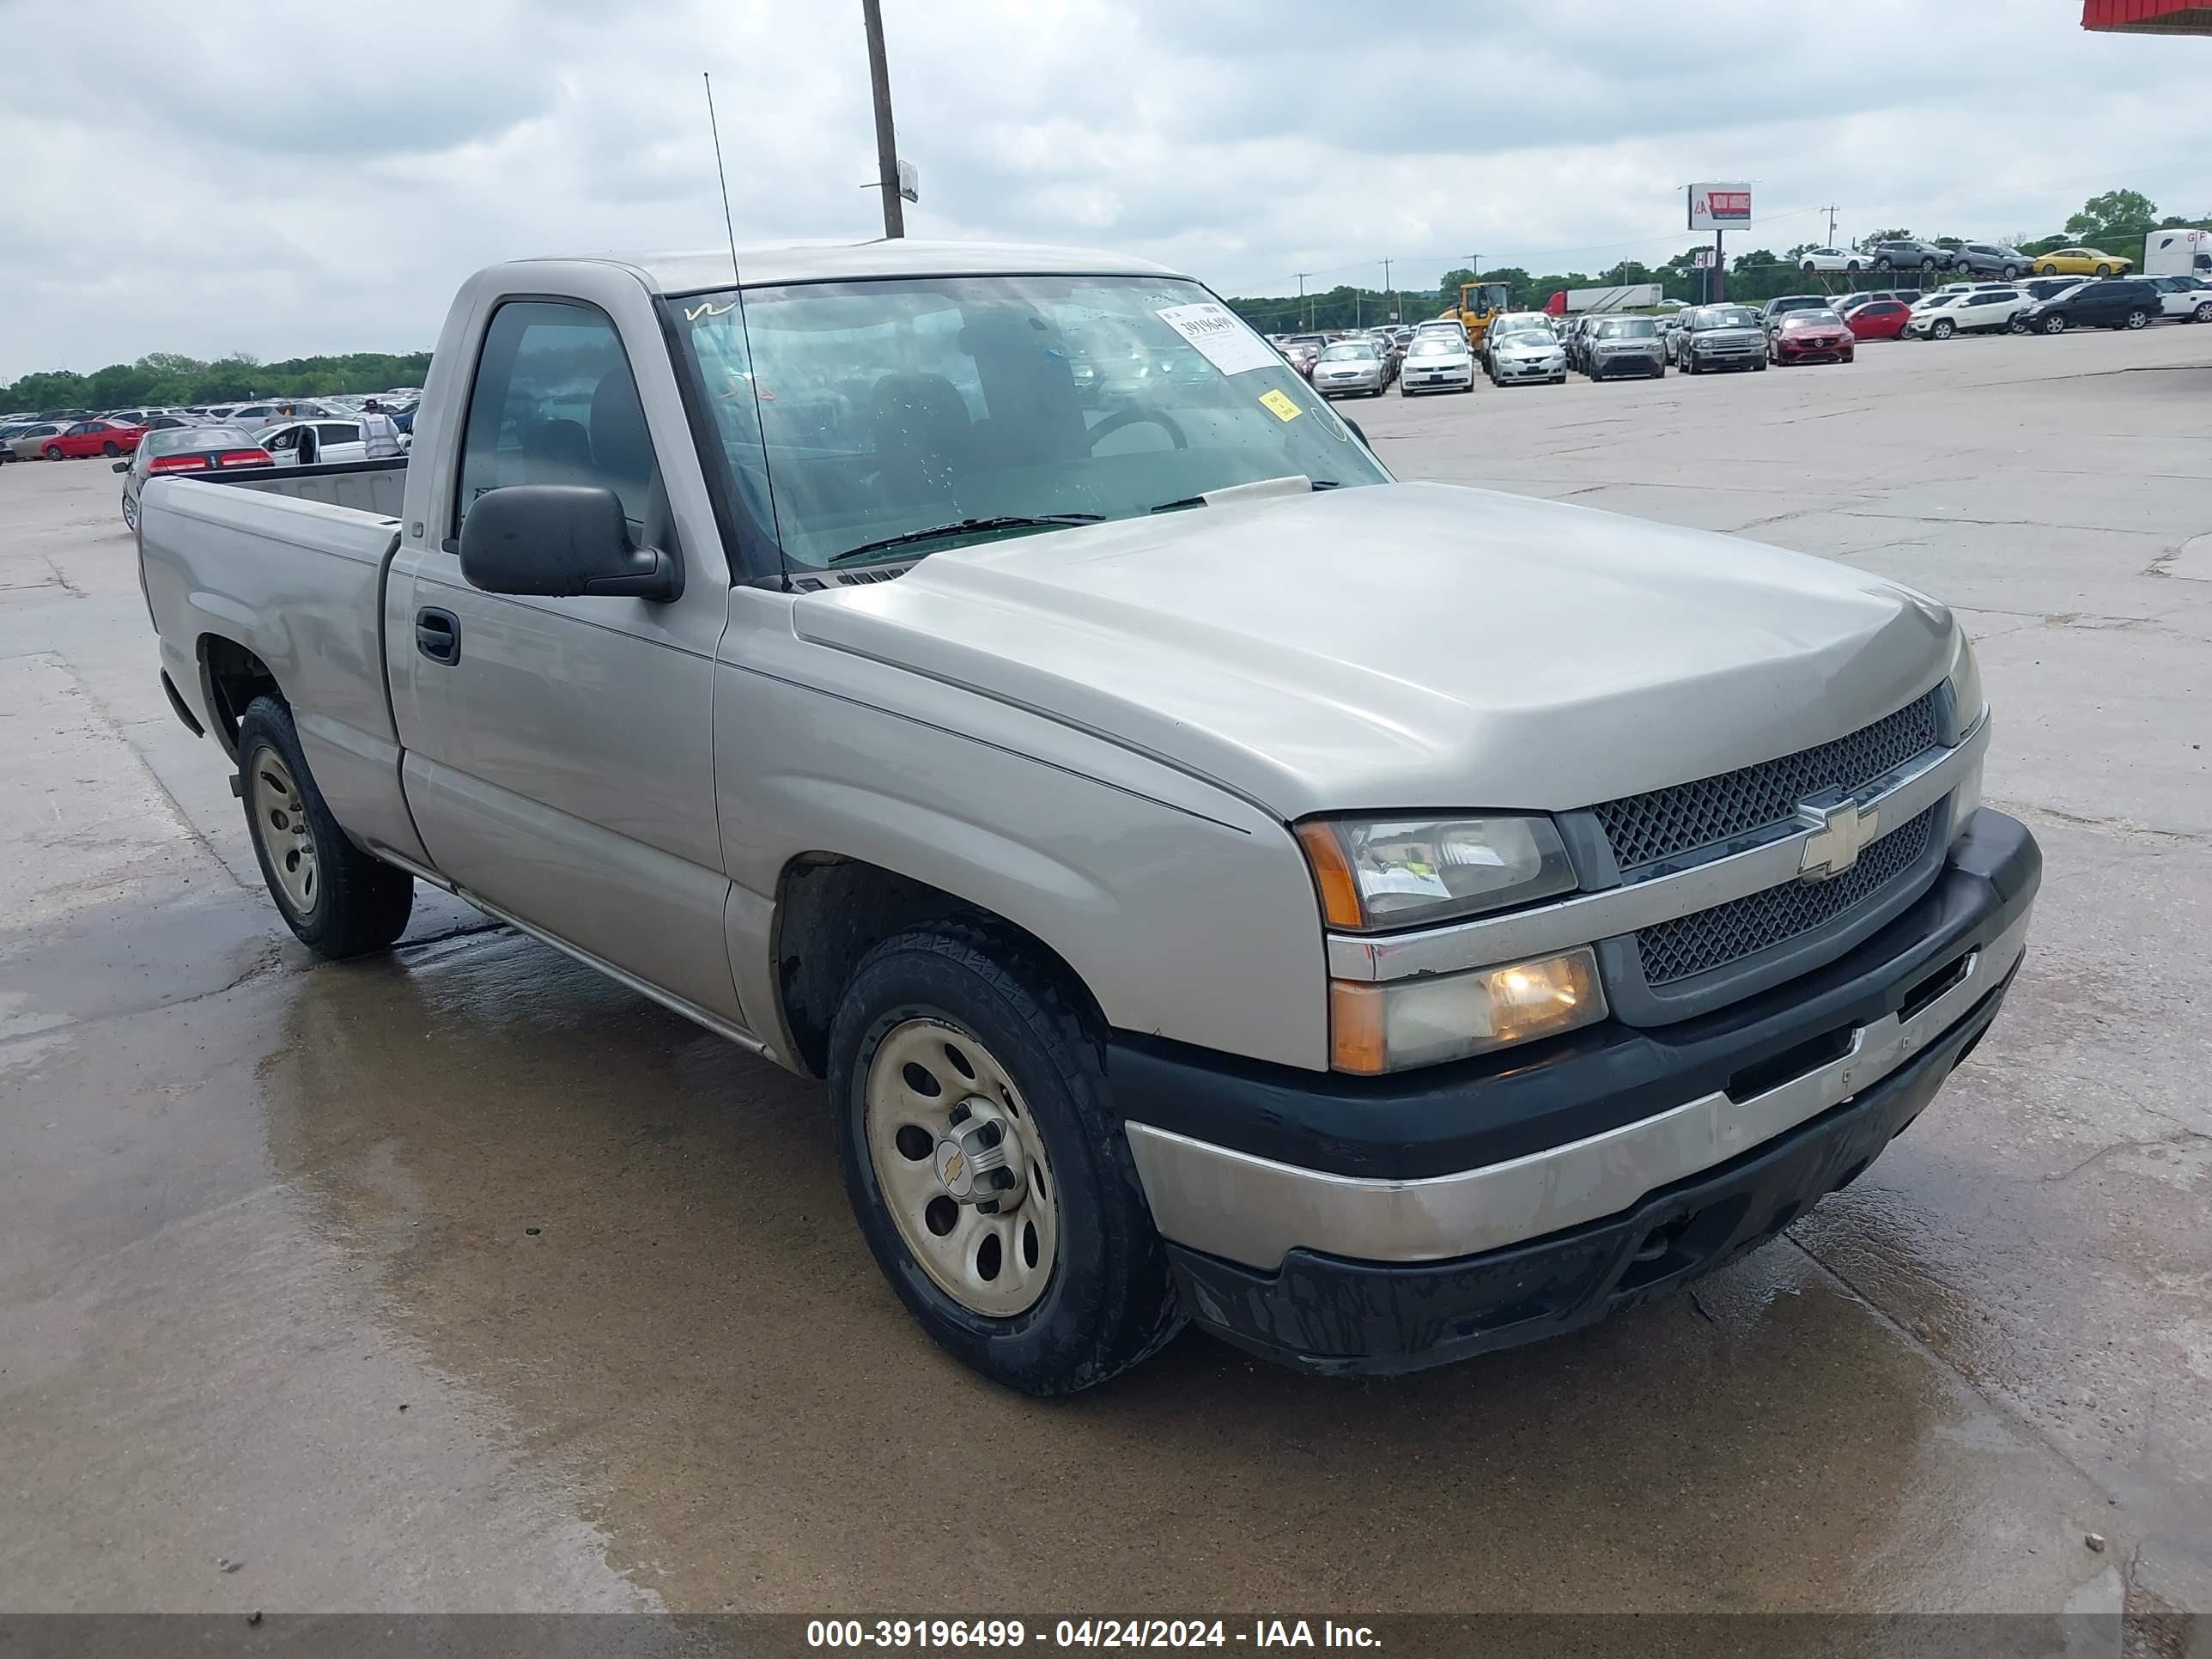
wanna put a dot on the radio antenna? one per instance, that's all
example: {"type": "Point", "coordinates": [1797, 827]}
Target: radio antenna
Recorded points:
{"type": "Point", "coordinates": [745, 333]}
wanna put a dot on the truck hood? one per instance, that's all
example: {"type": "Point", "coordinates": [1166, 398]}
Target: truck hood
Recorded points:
{"type": "Point", "coordinates": [1408, 645]}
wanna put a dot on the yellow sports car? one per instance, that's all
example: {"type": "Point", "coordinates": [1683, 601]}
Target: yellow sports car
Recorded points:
{"type": "Point", "coordinates": [2081, 262]}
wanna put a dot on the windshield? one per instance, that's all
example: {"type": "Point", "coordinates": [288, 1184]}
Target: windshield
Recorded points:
{"type": "Point", "coordinates": [871, 410]}
{"type": "Point", "coordinates": [1726, 317]}
{"type": "Point", "coordinates": [1346, 353]}
{"type": "Point", "coordinates": [1822, 318]}
{"type": "Point", "coordinates": [1436, 345]}
{"type": "Point", "coordinates": [1626, 328]}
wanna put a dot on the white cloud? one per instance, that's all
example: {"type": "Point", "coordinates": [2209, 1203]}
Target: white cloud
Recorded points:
{"type": "Point", "coordinates": [204, 180]}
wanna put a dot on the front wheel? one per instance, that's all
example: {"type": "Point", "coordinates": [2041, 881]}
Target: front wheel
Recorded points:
{"type": "Point", "coordinates": [1927, 267]}
{"type": "Point", "coordinates": [2104, 271]}
{"type": "Point", "coordinates": [1943, 328]}
{"type": "Point", "coordinates": [2009, 272]}
{"type": "Point", "coordinates": [2054, 325]}
{"type": "Point", "coordinates": [338, 900]}
{"type": "Point", "coordinates": [987, 1166]}
{"type": "Point", "coordinates": [1759, 365]}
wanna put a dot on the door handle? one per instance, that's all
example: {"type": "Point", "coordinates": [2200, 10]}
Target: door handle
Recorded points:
{"type": "Point", "coordinates": [438, 634]}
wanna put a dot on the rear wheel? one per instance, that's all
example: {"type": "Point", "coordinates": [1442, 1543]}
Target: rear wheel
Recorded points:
{"type": "Point", "coordinates": [111, 450]}
{"type": "Point", "coordinates": [130, 515]}
{"type": "Point", "coordinates": [338, 900]}
{"type": "Point", "coordinates": [987, 1166]}
{"type": "Point", "coordinates": [53, 452]}
{"type": "Point", "coordinates": [2048, 270]}
{"type": "Point", "coordinates": [2137, 319]}
{"type": "Point", "coordinates": [2203, 313]}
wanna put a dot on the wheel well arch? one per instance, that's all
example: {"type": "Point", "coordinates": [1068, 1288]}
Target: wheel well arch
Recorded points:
{"type": "Point", "coordinates": [231, 678]}
{"type": "Point", "coordinates": [831, 910]}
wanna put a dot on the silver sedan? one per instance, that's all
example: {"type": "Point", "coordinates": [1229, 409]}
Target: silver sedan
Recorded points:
{"type": "Point", "coordinates": [1348, 367]}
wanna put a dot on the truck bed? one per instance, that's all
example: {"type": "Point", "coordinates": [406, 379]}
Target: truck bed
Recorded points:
{"type": "Point", "coordinates": [278, 561]}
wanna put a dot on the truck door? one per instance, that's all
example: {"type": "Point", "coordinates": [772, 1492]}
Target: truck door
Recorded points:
{"type": "Point", "coordinates": [560, 762]}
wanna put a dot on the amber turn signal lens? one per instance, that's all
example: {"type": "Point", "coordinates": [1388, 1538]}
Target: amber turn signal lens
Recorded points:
{"type": "Point", "coordinates": [1331, 872]}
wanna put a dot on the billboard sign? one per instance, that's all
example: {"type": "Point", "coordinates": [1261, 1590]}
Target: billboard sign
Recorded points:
{"type": "Point", "coordinates": [1716, 207]}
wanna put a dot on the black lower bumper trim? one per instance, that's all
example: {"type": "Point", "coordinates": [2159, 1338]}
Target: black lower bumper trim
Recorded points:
{"type": "Point", "coordinates": [1324, 1314]}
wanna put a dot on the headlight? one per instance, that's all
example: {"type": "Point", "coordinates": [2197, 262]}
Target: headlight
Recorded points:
{"type": "Point", "coordinates": [1966, 684]}
{"type": "Point", "coordinates": [1395, 872]}
{"type": "Point", "coordinates": [1423, 1022]}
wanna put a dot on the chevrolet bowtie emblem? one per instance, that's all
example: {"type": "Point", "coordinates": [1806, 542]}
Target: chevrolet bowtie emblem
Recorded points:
{"type": "Point", "coordinates": [1838, 834]}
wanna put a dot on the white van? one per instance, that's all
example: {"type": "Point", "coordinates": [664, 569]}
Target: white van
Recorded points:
{"type": "Point", "coordinates": [2178, 253]}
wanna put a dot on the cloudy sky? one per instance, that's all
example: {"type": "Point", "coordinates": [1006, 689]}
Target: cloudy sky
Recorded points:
{"type": "Point", "coordinates": [287, 179]}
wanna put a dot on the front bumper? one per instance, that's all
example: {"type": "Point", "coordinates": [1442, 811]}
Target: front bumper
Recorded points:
{"type": "Point", "coordinates": [1790, 351]}
{"type": "Point", "coordinates": [1425, 378]}
{"type": "Point", "coordinates": [1366, 383]}
{"type": "Point", "coordinates": [1385, 1224]}
{"type": "Point", "coordinates": [1531, 368]}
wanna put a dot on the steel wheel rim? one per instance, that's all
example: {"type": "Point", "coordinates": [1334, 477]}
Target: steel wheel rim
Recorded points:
{"type": "Point", "coordinates": [995, 1265]}
{"type": "Point", "coordinates": [280, 822]}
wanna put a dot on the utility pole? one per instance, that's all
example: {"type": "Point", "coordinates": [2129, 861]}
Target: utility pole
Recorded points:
{"type": "Point", "coordinates": [1390, 293]}
{"type": "Point", "coordinates": [1305, 327]}
{"type": "Point", "coordinates": [1831, 225]}
{"type": "Point", "coordinates": [879, 72]}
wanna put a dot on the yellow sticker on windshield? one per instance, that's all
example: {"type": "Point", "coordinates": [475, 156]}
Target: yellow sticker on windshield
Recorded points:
{"type": "Point", "coordinates": [1280, 406]}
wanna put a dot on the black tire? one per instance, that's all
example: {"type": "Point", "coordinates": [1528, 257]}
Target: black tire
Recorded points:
{"type": "Point", "coordinates": [2104, 271]}
{"type": "Point", "coordinates": [361, 904]}
{"type": "Point", "coordinates": [1759, 365]}
{"type": "Point", "coordinates": [1883, 262]}
{"type": "Point", "coordinates": [2017, 325]}
{"type": "Point", "coordinates": [2054, 325]}
{"type": "Point", "coordinates": [1851, 268]}
{"type": "Point", "coordinates": [1111, 1301]}
{"type": "Point", "coordinates": [2203, 313]}
{"type": "Point", "coordinates": [1942, 329]}
{"type": "Point", "coordinates": [2009, 272]}
{"type": "Point", "coordinates": [1927, 267]}
{"type": "Point", "coordinates": [130, 515]}
{"type": "Point", "coordinates": [2137, 318]}
{"type": "Point", "coordinates": [53, 452]}
{"type": "Point", "coordinates": [111, 450]}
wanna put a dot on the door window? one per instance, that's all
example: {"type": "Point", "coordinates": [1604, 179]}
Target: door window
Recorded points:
{"type": "Point", "coordinates": [555, 402]}
{"type": "Point", "coordinates": [283, 443]}
{"type": "Point", "coordinates": [339, 432]}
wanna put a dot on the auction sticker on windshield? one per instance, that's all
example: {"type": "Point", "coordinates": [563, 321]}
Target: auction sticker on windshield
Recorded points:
{"type": "Point", "coordinates": [1284, 409]}
{"type": "Point", "coordinates": [1220, 337]}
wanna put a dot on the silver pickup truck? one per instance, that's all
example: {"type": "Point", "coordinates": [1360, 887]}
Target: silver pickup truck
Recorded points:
{"type": "Point", "coordinates": [1378, 921]}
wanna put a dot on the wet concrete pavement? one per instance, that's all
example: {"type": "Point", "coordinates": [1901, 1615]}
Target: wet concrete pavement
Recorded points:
{"type": "Point", "coordinates": [462, 1278]}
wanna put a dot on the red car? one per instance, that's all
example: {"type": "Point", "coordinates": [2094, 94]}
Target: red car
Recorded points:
{"type": "Point", "coordinates": [1878, 319]}
{"type": "Point", "coordinates": [1810, 337]}
{"type": "Point", "coordinates": [93, 438]}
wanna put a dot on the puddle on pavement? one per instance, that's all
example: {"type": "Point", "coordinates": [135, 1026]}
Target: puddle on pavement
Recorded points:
{"type": "Point", "coordinates": [634, 1238]}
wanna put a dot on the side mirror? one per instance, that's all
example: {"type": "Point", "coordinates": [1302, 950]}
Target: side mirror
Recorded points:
{"type": "Point", "coordinates": [120, 466]}
{"type": "Point", "coordinates": [564, 541]}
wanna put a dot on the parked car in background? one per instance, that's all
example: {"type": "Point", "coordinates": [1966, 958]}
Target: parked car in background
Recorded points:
{"type": "Point", "coordinates": [74, 442]}
{"type": "Point", "coordinates": [279, 409]}
{"type": "Point", "coordinates": [1810, 337]}
{"type": "Point", "coordinates": [1721, 337]}
{"type": "Point", "coordinates": [1995, 258]}
{"type": "Point", "coordinates": [1877, 320]}
{"type": "Point", "coordinates": [1970, 311]}
{"type": "Point", "coordinates": [188, 449]}
{"type": "Point", "coordinates": [1908, 253]}
{"type": "Point", "coordinates": [163, 423]}
{"type": "Point", "coordinates": [1817, 259]}
{"type": "Point", "coordinates": [2081, 262]}
{"type": "Point", "coordinates": [1520, 345]}
{"type": "Point", "coordinates": [2049, 288]}
{"type": "Point", "coordinates": [1350, 367]}
{"type": "Point", "coordinates": [2188, 299]}
{"type": "Point", "coordinates": [14, 430]}
{"type": "Point", "coordinates": [2118, 303]}
{"type": "Point", "coordinates": [312, 443]}
{"type": "Point", "coordinates": [1437, 361]}
{"type": "Point", "coordinates": [1626, 345]}
{"type": "Point", "coordinates": [1781, 306]}
{"type": "Point", "coordinates": [1300, 354]}
{"type": "Point", "coordinates": [30, 440]}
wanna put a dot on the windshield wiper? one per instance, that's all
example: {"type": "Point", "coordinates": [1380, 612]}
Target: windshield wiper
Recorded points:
{"type": "Point", "coordinates": [964, 526]}
{"type": "Point", "coordinates": [1178, 505]}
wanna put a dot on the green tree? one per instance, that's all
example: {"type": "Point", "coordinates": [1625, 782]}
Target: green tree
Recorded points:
{"type": "Point", "coordinates": [1884, 236]}
{"type": "Point", "coordinates": [2117, 217]}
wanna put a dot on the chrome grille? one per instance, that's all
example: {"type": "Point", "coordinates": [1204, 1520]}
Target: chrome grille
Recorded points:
{"type": "Point", "coordinates": [1685, 817]}
{"type": "Point", "coordinates": [1698, 943]}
